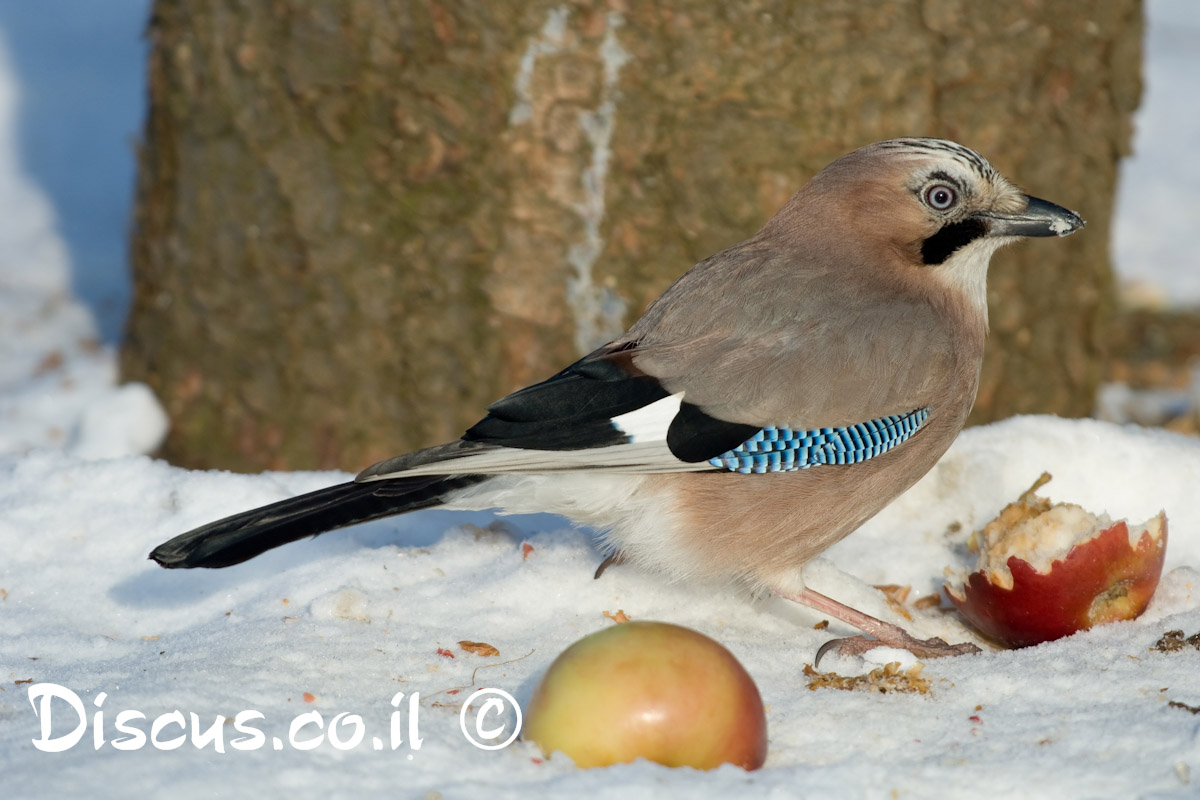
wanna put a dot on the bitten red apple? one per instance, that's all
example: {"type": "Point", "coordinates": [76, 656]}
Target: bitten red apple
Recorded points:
{"type": "Point", "coordinates": [1046, 571]}
{"type": "Point", "coordinates": [649, 690]}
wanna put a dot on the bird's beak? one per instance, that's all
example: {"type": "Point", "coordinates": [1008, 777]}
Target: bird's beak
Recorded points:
{"type": "Point", "coordinates": [1040, 218]}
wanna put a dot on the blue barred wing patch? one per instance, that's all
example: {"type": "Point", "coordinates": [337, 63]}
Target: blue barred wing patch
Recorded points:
{"type": "Point", "coordinates": [786, 450]}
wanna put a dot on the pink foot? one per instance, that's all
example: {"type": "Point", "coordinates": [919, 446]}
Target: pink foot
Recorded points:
{"type": "Point", "coordinates": [885, 633]}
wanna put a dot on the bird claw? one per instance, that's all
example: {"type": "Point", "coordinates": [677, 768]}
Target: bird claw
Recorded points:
{"type": "Point", "coordinates": [617, 558]}
{"type": "Point", "coordinates": [921, 648]}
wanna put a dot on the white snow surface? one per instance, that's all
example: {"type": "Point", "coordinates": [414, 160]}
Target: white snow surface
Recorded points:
{"type": "Point", "coordinates": [344, 622]}
{"type": "Point", "coordinates": [354, 617]}
{"type": "Point", "coordinates": [56, 376]}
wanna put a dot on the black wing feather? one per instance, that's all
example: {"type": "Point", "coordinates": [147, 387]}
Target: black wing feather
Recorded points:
{"type": "Point", "coordinates": [695, 436]}
{"type": "Point", "coordinates": [574, 409]}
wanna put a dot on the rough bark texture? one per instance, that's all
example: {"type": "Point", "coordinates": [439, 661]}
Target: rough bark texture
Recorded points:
{"type": "Point", "coordinates": [360, 221]}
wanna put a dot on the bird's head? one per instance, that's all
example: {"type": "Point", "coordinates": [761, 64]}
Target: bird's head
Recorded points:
{"type": "Point", "coordinates": [938, 209]}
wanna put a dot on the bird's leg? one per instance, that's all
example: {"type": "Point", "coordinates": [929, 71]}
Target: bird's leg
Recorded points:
{"type": "Point", "coordinates": [616, 559]}
{"type": "Point", "coordinates": [885, 633]}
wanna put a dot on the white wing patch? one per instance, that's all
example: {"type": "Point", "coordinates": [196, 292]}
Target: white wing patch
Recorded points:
{"type": "Point", "coordinates": [645, 452]}
{"type": "Point", "coordinates": [650, 423]}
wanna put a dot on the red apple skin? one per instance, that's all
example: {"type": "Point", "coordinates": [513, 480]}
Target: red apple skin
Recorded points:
{"type": "Point", "coordinates": [1100, 580]}
{"type": "Point", "coordinates": [649, 690]}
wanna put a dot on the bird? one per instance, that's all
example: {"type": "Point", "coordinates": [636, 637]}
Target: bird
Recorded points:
{"type": "Point", "coordinates": [774, 398]}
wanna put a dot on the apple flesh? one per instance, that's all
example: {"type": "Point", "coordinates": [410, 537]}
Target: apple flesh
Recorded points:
{"type": "Point", "coordinates": [1046, 571]}
{"type": "Point", "coordinates": [649, 690]}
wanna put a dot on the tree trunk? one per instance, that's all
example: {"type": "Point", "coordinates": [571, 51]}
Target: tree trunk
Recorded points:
{"type": "Point", "coordinates": [358, 222]}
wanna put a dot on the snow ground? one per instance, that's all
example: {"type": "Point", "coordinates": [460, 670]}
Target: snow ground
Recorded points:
{"type": "Point", "coordinates": [344, 622]}
{"type": "Point", "coordinates": [353, 618]}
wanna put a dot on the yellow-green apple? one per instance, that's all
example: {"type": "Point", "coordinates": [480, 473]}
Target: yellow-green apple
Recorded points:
{"type": "Point", "coordinates": [649, 690]}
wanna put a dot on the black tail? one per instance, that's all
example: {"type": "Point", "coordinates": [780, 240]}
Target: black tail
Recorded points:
{"type": "Point", "coordinates": [243, 536]}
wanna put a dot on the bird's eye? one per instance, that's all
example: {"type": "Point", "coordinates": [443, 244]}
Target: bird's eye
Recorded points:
{"type": "Point", "coordinates": [940, 197]}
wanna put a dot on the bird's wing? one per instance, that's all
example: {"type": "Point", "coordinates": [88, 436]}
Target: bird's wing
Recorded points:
{"type": "Point", "coordinates": [738, 384]}
{"type": "Point", "coordinates": [600, 413]}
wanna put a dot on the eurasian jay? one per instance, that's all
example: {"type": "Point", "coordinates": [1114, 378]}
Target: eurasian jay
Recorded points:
{"type": "Point", "coordinates": [775, 397]}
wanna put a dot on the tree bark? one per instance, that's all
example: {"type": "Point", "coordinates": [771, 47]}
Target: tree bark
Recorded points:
{"type": "Point", "coordinates": [358, 222]}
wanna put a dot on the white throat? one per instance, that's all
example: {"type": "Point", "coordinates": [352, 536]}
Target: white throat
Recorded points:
{"type": "Point", "coordinates": [965, 271]}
